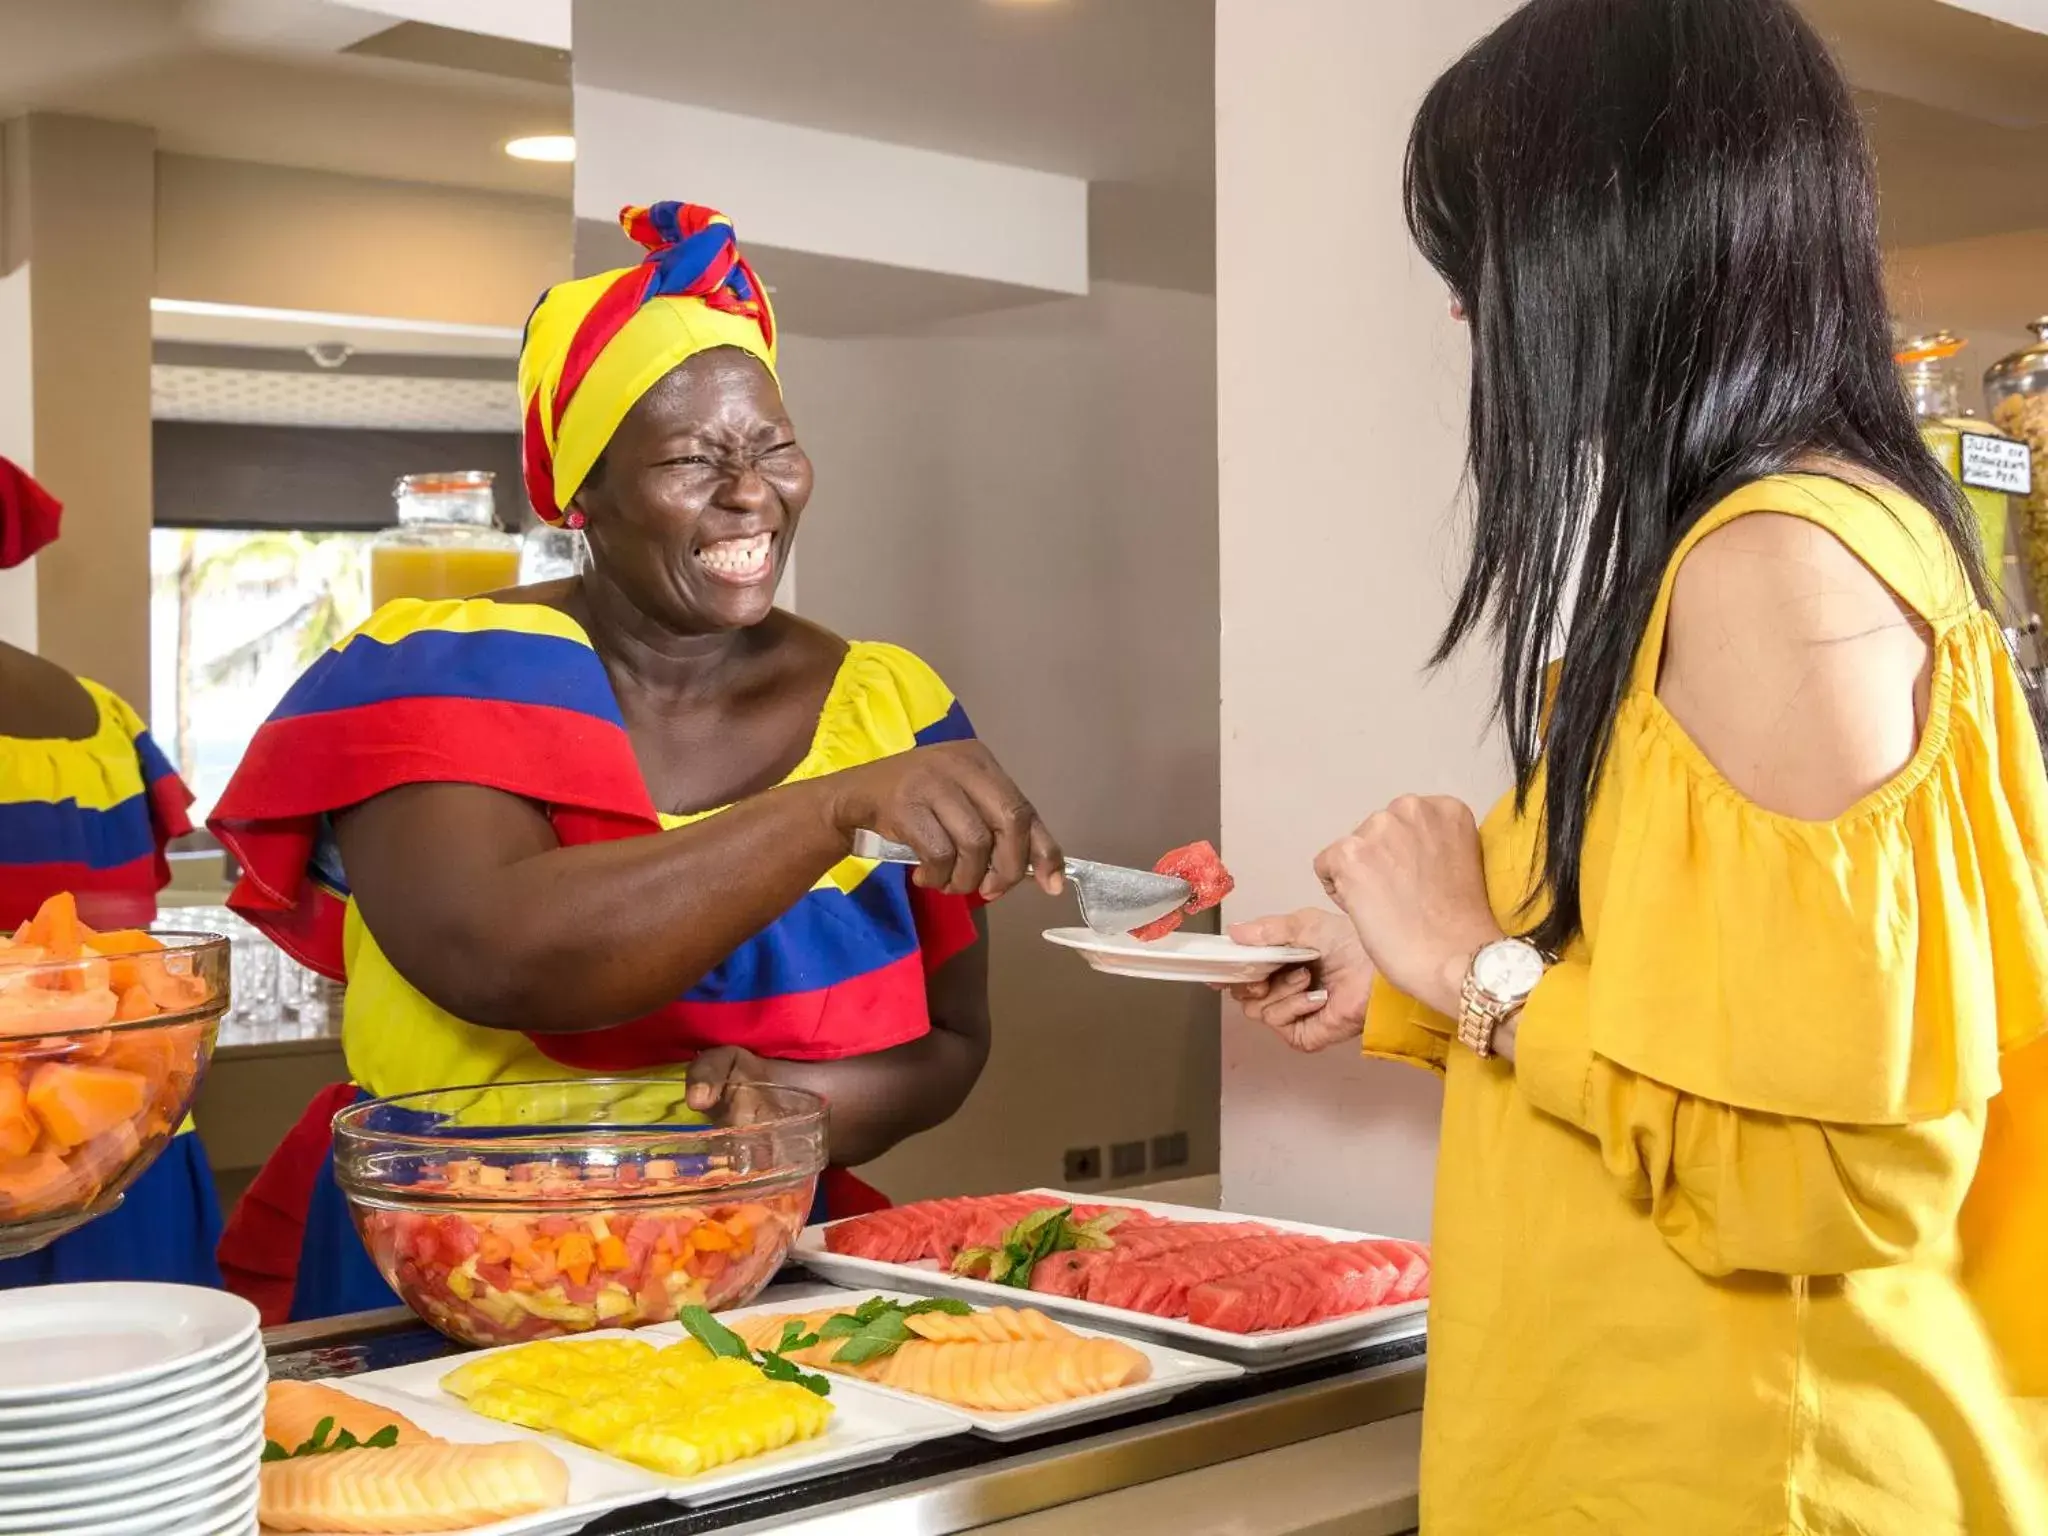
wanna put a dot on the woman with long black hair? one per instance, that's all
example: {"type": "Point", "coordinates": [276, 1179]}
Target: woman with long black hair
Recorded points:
{"type": "Point", "coordinates": [1740, 995]}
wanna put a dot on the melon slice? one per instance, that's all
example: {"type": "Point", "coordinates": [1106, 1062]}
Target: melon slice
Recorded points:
{"type": "Point", "coordinates": [75, 1104]}
{"type": "Point", "coordinates": [31, 1185]}
{"type": "Point", "coordinates": [18, 1129]}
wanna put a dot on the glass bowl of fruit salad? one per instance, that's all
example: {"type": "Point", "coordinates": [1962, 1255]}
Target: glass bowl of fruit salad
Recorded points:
{"type": "Point", "coordinates": [520, 1211]}
{"type": "Point", "coordinates": [103, 1040]}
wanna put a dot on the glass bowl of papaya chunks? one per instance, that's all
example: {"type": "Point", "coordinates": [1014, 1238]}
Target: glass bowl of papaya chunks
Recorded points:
{"type": "Point", "coordinates": [104, 1036]}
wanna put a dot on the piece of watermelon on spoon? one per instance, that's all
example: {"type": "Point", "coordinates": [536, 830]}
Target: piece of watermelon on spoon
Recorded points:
{"type": "Point", "coordinates": [1202, 867]}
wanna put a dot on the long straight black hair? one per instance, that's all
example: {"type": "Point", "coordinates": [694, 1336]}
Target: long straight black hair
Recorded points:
{"type": "Point", "coordinates": [1660, 218]}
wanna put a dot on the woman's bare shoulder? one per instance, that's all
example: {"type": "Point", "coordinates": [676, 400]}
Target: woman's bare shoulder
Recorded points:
{"type": "Point", "coordinates": [1792, 666]}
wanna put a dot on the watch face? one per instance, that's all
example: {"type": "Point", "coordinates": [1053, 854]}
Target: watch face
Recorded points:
{"type": "Point", "coordinates": [1508, 970]}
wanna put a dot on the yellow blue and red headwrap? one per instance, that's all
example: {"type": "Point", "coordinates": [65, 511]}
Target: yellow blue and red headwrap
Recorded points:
{"type": "Point", "coordinates": [595, 345]}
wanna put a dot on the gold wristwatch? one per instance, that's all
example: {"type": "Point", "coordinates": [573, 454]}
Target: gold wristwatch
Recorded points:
{"type": "Point", "coordinates": [1497, 984]}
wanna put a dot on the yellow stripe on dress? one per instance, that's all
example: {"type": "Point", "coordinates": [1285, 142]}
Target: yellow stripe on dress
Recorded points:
{"type": "Point", "coordinates": [97, 773]}
{"type": "Point", "coordinates": [407, 616]}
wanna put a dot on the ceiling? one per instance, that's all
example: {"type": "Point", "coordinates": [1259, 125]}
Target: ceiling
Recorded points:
{"type": "Point", "coordinates": [394, 402]}
{"type": "Point", "coordinates": [1108, 90]}
{"type": "Point", "coordinates": [285, 82]}
{"type": "Point", "coordinates": [1120, 93]}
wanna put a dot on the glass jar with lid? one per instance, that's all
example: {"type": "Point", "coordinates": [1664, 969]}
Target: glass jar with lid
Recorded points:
{"type": "Point", "coordinates": [2016, 394]}
{"type": "Point", "coordinates": [447, 542]}
{"type": "Point", "coordinates": [1967, 447]}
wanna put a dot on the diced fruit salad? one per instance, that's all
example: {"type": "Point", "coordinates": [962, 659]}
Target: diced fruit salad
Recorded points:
{"type": "Point", "coordinates": [88, 1089]}
{"type": "Point", "coordinates": [615, 1256]}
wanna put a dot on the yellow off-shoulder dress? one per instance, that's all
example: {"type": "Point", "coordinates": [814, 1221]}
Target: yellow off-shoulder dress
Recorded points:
{"type": "Point", "coordinates": [1752, 1237]}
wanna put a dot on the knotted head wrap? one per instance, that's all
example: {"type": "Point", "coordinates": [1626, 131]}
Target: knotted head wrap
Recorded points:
{"type": "Point", "coordinates": [29, 515]}
{"type": "Point", "coordinates": [595, 345]}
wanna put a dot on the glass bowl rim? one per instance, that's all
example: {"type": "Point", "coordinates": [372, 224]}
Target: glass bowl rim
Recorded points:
{"type": "Point", "coordinates": [349, 1120]}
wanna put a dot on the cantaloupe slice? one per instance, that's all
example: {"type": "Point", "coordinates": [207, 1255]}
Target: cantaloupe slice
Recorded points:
{"type": "Point", "coordinates": [292, 1410]}
{"type": "Point", "coordinates": [40, 1011]}
{"type": "Point", "coordinates": [121, 948]}
{"type": "Point", "coordinates": [172, 991]}
{"type": "Point", "coordinates": [95, 1164]}
{"type": "Point", "coordinates": [18, 1129]}
{"type": "Point", "coordinates": [75, 1104]}
{"type": "Point", "coordinates": [123, 941]}
{"type": "Point", "coordinates": [34, 1184]}
{"type": "Point", "coordinates": [134, 1003]}
{"type": "Point", "coordinates": [56, 928]}
{"type": "Point", "coordinates": [157, 1054]}
{"type": "Point", "coordinates": [88, 973]}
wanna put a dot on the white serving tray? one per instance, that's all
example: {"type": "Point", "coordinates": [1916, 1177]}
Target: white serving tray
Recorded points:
{"type": "Point", "coordinates": [1253, 1351]}
{"type": "Point", "coordinates": [1173, 1370]}
{"type": "Point", "coordinates": [867, 1427]}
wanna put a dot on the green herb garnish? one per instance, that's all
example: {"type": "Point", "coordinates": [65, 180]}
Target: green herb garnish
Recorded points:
{"type": "Point", "coordinates": [727, 1345]}
{"type": "Point", "coordinates": [879, 1326]}
{"type": "Point", "coordinates": [1038, 1236]}
{"type": "Point", "coordinates": [318, 1443]}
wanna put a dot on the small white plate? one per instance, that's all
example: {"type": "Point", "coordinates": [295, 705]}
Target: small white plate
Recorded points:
{"type": "Point", "coordinates": [65, 1342]}
{"type": "Point", "coordinates": [172, 1401]}
{"type": "Point", "coordinates": [232, 1513]}
{"type": "Point", "coordinates": [99, 1442]}
{"type": "Point", "coordinates": [1200, 957]}
{"type": "Point", "coordinates": [1173, 1371]}
{"type": "Point", "coordinates": [229, 1471]}
{"type": "Point", "coordinates": [166, 1459]}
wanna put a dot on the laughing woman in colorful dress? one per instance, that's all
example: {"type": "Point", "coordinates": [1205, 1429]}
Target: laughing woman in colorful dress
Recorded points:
{"type": "Point", "coordinates": [87, 805]}
{"type": "Point", "coordinates": [603, 825]}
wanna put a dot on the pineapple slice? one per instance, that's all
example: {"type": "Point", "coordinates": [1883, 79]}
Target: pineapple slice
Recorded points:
{"type": "Point", "coordinates": [677, 1411]}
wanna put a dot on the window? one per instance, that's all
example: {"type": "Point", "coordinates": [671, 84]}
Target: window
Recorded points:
{"type": "Point", "coordinates": [235, 616]}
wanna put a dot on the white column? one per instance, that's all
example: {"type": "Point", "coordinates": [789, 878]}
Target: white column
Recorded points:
{"type": "Point", "coordinates": [1341, 430]}
{"type": "Point", "coordinates": [84, 291]}
{"type": "Point", "coordinates": [17, 442]}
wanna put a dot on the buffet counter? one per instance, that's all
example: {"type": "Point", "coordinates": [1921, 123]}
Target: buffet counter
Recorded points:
{"type": "Point", "coordinates": [1317, 1448]}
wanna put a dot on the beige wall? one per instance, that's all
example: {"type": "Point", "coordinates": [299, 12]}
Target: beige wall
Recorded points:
{"type": "Point", "coordinates": [77, 200]}
{"type": "Point", "coordinates": [1028, 500]}
{"type": "Point", "coordinates": [232, 232]}
{"type": "Point", "coordinates": [1341, 438]}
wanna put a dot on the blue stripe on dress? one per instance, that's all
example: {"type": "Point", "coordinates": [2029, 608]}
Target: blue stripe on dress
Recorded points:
{"type": "Point", "coordinates": [952, 726]}
{"type": "Point", "coordinates": [828, 937]}
{"type": "Point", "coordinates": [497, 665]}
{"type": "Point", "coordinates": [64, 832]}
{"type": "Point", "coordinates": [155, 765]}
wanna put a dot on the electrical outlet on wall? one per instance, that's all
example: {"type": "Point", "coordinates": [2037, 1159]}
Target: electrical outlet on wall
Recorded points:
{"type": "Point", "coordinates": [1126, 1159]}
{"type": "Point", "coordinates": [1170, 1151]}
{"type": "Point", "coordinates": [1082, 1164]}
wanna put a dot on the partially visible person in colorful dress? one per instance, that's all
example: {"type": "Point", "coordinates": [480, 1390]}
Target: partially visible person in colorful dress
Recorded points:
{"type": "Point", "coordinates": [604, 824]}
{"type": "Point", "coordinates": [87, 805]}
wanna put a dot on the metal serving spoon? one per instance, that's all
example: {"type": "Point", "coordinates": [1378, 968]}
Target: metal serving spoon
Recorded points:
{"type": "Point", "coordinates": [1114, 900]}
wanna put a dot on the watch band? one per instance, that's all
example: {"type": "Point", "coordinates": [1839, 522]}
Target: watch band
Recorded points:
{"type": "Point", "coordinates": [1480, 1017]}
{"type": "Point", "coordinates": [1482, 1013]}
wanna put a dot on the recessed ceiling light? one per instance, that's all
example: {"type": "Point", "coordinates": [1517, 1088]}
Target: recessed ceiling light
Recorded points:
{"type": "Point", "coordinates": [556, 148]}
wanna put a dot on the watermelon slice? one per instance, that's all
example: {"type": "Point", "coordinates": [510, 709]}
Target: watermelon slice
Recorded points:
{"type": "Point", "coordinates": [1202, 867]}
{"type": "Point", "coordinates": [1330, 1280]}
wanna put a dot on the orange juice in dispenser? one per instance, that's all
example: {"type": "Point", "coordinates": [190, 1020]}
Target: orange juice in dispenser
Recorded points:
{"type": "Point", "coordinates": [447, 542]}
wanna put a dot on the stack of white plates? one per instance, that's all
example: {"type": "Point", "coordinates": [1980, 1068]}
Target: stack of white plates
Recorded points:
{"type": "Point", "coordinates": [129, 1410]}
